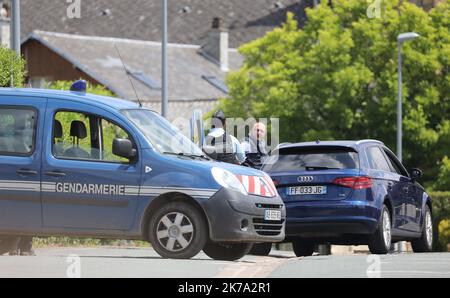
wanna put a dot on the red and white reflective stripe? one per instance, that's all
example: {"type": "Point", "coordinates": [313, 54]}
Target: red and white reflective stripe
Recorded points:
{"type": "Point", "coordinates": [259, 186]}
{"type": "Point", "coordinates": [271, 186]}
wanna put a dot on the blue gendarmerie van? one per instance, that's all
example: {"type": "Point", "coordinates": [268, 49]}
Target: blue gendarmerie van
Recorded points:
{"type": "Point", "coordinates": [79, 165]}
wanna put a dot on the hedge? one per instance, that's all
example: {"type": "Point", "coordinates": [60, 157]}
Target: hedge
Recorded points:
{"type": "Point", "coordinates": [441, 212]}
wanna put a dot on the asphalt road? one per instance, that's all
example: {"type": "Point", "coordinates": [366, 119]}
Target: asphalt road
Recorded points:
{"type": "Point", "coordinates": [144, 262]}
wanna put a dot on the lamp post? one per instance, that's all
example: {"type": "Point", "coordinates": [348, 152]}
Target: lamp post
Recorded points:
{"type": "Point", "coordinates": [401, 247]}
{"type": "Point", "coordinates": [165, 98]}
{"type": "Point", "coordinates": [400, 40]}
{"type": "Point", "coordinates": [15, 28]}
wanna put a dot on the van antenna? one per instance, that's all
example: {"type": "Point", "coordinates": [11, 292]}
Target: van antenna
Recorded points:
{"type": "Point", "coordinates": [128, 75]}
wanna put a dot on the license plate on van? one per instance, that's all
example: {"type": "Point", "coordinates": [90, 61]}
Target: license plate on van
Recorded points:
{"type": "Point", "coordinates": [272, 215]}
{"type": "Point", "coordinates": [307, 190]}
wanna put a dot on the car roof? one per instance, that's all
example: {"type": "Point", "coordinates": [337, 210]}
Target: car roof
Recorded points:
{"type": "Point", "coordinates": [86, 98]}
{"type": "Point", "coordinates": [349, 144]}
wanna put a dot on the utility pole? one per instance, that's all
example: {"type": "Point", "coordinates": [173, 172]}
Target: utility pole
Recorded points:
{"type": "Point", "coordinates": [165, 98]}
{"type": "Point", "coordinates": [15, 27]}
{"type": "Point", "coordinates": [402, 38]}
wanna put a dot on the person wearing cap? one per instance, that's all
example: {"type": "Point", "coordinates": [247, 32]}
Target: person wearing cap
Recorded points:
{"type": "Point", "coordinates": [255, 147]}
{"type": "Point", "coordinates": [222, 146]}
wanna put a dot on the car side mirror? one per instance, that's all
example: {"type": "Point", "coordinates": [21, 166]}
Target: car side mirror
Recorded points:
{"type": "Point", "coordinates": [123, 148]}
{"type": "Point", "coordinates": [416, 174]}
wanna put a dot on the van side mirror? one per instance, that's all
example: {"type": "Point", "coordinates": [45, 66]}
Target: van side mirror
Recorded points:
{"type": "Point", "coordinates": [416, 174]}
{"type": "Point", "coordinates": [123, 148]}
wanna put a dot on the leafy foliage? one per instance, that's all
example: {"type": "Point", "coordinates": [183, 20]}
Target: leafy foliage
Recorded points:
{"type": "Point", "coordinates": [444, 232]}
{"type": "Point", "coordinates": [337, 78]}
{"type": "Point", "coordinates": [441, 213]}
{"type": "Point", "coordinates": [11, 67]}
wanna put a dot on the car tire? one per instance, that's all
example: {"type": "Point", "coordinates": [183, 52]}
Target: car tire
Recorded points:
{"type": "Point", "coordinates": [227, 251]}
{"type": "Point", "coordinates": [425, 242]}
{"type": "Point", "coordinates": [380, 242]}
{"type": "Point", "coordinates": [261, 249]}
{"type": "Point", "coordinates": [178, 230]}
{"type": "Point", "coordinates": [303, 247]}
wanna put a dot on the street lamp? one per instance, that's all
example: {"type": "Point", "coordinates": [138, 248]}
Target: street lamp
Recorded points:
{"type": "Point", "coordinates": [164, 93]}
{"type": "Point", "coordinates": [400, 40]}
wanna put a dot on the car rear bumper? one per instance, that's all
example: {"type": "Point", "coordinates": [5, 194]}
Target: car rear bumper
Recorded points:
{"type": "Point", "coordinates": [234, 217]}
{"type": "Point", "coordinates": [331, 219]}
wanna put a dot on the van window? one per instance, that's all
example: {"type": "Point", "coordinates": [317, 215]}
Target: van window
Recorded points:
{"type": "Point", "coordinates": [85, 137]}
{"type": "Point", "coordinates": [72, 136]}
{"type": "Point", "coordinates": [111, 132]}
{"type": "Point", "coordinates": [17, 131]}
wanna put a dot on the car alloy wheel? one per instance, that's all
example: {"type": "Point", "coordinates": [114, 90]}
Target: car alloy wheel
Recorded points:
{"type": "Point", "coordinates": [429, 228]}
{"type": "Point", "coordinates": [175, 231]}
{"type": "Point", "coordinates": [387, 228]}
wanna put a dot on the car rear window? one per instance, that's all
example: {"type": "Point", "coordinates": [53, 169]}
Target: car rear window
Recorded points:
{"type": "Point", "coordinates": [312, 158]}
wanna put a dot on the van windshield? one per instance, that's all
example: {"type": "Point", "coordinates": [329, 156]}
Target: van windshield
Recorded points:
{"type": "Point", "coordinates": [164, 137]}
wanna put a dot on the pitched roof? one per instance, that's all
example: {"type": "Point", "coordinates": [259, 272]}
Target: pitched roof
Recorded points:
{"type": "Point", "coordinates": [189, 20]}
{"type": "Point", "coordinates": [121, 64]}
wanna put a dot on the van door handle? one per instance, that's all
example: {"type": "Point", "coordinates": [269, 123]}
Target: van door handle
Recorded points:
{"type": "Point", "coordinates": [55, 174]}
{"type": "Point", "coordinates": [26, 172]}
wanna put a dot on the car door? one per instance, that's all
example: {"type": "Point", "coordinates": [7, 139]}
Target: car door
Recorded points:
{"type": "Point", "coordinates": [21, 128]}
{"type": "Point", "coordinates": [85, 186]}
{"type": "Point", "coordinates": [410, 192]}
{"type": "Point", "coordinates": [381, 173]}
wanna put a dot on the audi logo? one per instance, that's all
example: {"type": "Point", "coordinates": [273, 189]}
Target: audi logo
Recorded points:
{"type": "Point", "coordinates": [305, 179]}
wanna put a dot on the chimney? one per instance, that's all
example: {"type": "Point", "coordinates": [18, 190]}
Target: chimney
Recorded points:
{"type": "Point", "coordinates": [216, 45]}
{"type": "Point", "coordinates": [5, 25]}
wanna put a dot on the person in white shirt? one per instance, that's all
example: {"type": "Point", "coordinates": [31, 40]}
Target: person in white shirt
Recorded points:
{"type": "Point", "coordinates": [222, 146]}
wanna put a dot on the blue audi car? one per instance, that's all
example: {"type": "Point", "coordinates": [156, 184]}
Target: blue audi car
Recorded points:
{"type": "Point", "coordinates": [350, 193]}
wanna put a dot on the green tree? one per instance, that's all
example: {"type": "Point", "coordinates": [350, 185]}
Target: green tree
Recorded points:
{"type": "Point", "coordinates": [443, 181]}
{"type": "Point", "coordinates": [336, 78]}
{"type": "Point", "coordinates": [12, 66]}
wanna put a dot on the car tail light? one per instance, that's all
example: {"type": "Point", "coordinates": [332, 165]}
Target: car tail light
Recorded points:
{"type": "Point", "coordinates": [354, 182]}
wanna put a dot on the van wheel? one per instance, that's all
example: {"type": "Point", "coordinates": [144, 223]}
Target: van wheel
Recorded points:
{"type": "Point", "coordinates": [380, 242]}
{"type": "Point", "coordinates": [227, 251]}
{"type": "Point", "coordinates": [425, 242]}
{"type": "Point", "coordinates": [178, 231]}
{"type": "Point", "coordinates": [261, 249]}
{"type": "Point", "coordinates": [303, 247]}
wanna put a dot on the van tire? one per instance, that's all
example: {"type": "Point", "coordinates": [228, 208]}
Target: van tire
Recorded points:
{"type": "Point", "coordinates": [227, 251]}
{"type": "Point", "coordinates": [261, 249]}
{"type": "Point", "coordinates": [163, 237]}
{"type": "Point", "coordinates": [380, 241]}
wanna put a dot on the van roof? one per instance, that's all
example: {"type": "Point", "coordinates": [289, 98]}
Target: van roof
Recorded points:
{"type": "Point", "coordinates": [86, 98]}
